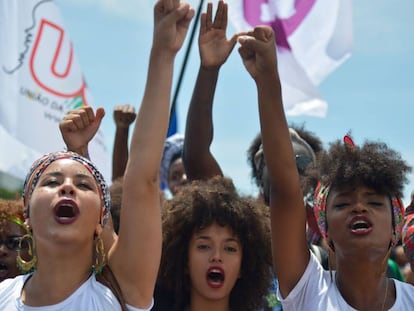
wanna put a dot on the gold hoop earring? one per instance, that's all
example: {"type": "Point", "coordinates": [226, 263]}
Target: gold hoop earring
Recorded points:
{"type": "Point", "coordinates": [100, 256]}
{"type": "Point", "coordinates": [23, 265]}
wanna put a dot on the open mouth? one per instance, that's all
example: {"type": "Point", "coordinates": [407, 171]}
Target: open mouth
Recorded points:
{"type": "Point", "coordinates": [215, 277]}
{"type": "Point", "coordinates": [360, 226]}
{"type": "Point", "coordinates": [66, 211]}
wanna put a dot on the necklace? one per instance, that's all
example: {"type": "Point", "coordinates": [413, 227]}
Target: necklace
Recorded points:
{"type": "Point", "coordinates": [385, 297]}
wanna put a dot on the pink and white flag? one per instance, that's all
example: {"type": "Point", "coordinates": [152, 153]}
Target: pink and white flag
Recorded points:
{"type": "Point", "coordinates": [313, 37]}
{"type": "Point", "coordinates": [40, 80]}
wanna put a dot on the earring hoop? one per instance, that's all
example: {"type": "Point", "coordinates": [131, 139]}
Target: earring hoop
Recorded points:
{"type": "Point", "coordinates": [100, 257]}
{"type": "Point", "coordinates": [23, 265]}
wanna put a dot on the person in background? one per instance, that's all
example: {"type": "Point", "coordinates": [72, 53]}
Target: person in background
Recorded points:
{"type": "Point", "coordinates": [307, 147]}
{"type": "Point", "coordinates": [172, 173]}
{"type": "Point", "coordinates": [12, 229]}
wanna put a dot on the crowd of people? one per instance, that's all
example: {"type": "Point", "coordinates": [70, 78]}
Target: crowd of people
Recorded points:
{"type": "Point", "coordinates": [327, 231]}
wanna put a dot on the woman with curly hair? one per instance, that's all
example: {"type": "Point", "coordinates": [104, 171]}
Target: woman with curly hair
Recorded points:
{"type": "Point", "coordinates": [357, 206]}
{"type": "Point", "coordinates": [216, 249]}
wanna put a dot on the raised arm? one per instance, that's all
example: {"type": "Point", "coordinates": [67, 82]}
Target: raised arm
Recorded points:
{"type": "Point", "coordinates": [214, 49]}
{"type": "Point", "coordinates": [124, 115]}
{"type": "Point", "coordinates": [135, 256]}
{"type": "Point", "coordinates": [79, 126]}
{"type": "Point", "coordinates": [290, 252]}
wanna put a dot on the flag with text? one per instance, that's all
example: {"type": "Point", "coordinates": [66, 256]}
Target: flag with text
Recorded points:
{"type": "Point", "coordinates": [40, 80]}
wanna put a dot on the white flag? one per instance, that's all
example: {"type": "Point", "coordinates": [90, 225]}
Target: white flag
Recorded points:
{"type": "Point", "coordinates": [313, 37]}
{"type": "Point", "coordinates": [40, 80]}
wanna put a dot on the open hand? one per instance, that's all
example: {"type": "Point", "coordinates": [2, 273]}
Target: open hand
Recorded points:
{"type": "Point", "coordinates": [213, 44]}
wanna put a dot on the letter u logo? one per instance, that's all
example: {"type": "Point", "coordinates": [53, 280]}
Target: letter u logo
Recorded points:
{"type": "Point", "coordinates": [52, 63]}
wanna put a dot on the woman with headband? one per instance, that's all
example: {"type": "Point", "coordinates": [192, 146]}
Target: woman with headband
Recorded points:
{"type": "Point", "coordinates": [358, 207]}
{"type": "Point", "coordinates": [67, 204]}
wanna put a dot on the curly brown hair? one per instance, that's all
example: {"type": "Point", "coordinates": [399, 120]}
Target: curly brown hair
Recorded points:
{"type": "Point", "coordinates": [372, 164]}
{"type": "Point", "coordinates": [199, 205]}
{"type": "Point", "coordinates": [11, 207]}
{"type": "Point", "coordinates": [12, 210]}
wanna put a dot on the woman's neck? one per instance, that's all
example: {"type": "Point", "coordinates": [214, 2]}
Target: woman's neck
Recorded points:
{"type": "Point", "coordinates": [55, 279]}
{"type": "Point", "coordinates": [364, 288]}
{"type": "Point", "coordinates": [202, 304]}
{"type": "Point", "coordinates": [361, 279]}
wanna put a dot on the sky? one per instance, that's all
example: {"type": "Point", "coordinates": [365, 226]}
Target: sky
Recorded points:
{"type": "Point", "coordinates": [371, 94]}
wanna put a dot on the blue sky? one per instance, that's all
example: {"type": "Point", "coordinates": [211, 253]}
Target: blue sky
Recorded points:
{"type": "Point", "coordinates": [371, 94]}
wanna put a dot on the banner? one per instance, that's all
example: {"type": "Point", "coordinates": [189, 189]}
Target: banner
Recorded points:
{"type": "Point", "coordinates": [40, 80]}
{"type": "Point", "coordinates": [313, 37]}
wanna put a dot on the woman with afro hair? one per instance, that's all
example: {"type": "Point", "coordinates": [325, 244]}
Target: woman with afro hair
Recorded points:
{"type": "Point", "coordinates": [357, 204]}
{"type": "Point", "coordinates": [216, 249]}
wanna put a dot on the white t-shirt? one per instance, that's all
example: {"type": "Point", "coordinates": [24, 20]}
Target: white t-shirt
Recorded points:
{"type": "Point", "coordinates": [90, 296]}
{"type": "Point", "coordinates": [316, 292]}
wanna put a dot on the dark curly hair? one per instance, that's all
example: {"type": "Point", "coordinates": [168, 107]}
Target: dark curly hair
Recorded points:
{"type": "Point", "coordinates": [313, 141]}
{"type": "Point", "coordinates": [309, 137]}
{"type": "Point", "coordinates": [251, 152]}
{"type": "Point", "coordinates": [373, 164]}
{"type": "Point", "coordinates": [199, 205]}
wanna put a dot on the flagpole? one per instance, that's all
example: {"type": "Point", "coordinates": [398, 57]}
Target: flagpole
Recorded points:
{"type": "Point", "coordinates": [184, 65]}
